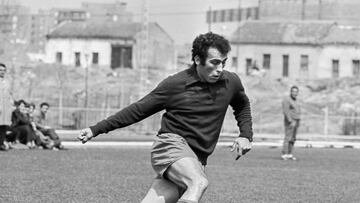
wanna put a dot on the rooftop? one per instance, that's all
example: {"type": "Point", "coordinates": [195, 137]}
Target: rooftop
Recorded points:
{"type": "Point", "coordinates": [295, 32]}
{"type": "Point", "coordinates": [88, 29]}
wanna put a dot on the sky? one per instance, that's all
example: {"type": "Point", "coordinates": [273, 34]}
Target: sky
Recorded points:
{"type": "Point", "coordinates": [182, 19]}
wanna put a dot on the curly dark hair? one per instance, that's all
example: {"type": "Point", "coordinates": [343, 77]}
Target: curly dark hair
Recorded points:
{"type": "Point", "coordinates": [294, 87]}
{"type": "Point", "coordinates": [203, 42]}
{"type": "Point", "coordinates": [3, 65]}
{"type": "Point", "coordinates": [44, 104]}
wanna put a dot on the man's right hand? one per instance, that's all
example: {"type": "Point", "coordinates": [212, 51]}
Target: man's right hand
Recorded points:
{"type": "Point", "coordinates": [85, 135]}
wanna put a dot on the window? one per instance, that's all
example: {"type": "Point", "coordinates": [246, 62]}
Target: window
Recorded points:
{"type": "Point", "coordinates": [266, 61]}
{"type": "Point", "coordinates": [214, 16]}
{"type": "Point", "coordinates": [77, 59]}
{"type": "Point", "coordinates": [239, 13]}
{"type": "Point", "coordinates": [227, 15]}
{"type": "Point", "coordinates": [231, 15]}
{"type": "Point", "coordinates": [218, 15]}
{"type": "Point", "coordinates": [121, 56]}
{"type": "Point", "coordinates": [248, 66]}
{"type": "Point", "coordinates": [58, 57]}
{"type": "Point", "coordinates": [304, 63]}
{"type": "Point", "coordinates": [335, 68]}
{"type": "Point", "coordinates": [256, 13]}
{"type": "Point", "coordinates": [234, 62]}
{"type": "Point", "coordinates": [285, 65]}
{"type": "Point", "coordinates": [304, 66]}
{"type": "Point", "coordinates": [95, 58]}
{"type": "Point", "coordinates": [356, 68]}
{"type": "Point", "coordinates": [248, 13]}
{"type": "Point", "coordinates": [222, 16]}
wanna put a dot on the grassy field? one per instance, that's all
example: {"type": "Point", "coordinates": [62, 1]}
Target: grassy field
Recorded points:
{"type": "Point", "coordinates": [125, 174]}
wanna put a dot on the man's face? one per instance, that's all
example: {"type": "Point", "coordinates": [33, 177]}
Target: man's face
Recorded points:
{"type": "Point", "coordinates": [213, 68]}
{"type": "Point", "coordinates": [294, 93]}
{"type": "Point", "coordinates": [44, 109]}
{"type": "Point", "coordinates": [2, 71]}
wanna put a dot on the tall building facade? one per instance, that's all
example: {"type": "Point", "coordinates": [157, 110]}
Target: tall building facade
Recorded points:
{"type": "Point", "coordinates": [44, 21]}
{"type": "Point", "coordinates": [344, 12]}
{"type": "Point", "coordinates": [101, 12]}
{"type": "Point", "coordinates": [15, 23]}
{"type": "Point", "coordinates": [14, 31]}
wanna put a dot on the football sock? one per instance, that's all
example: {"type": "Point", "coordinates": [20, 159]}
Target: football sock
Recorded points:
{"type": "Point", "coordinates": [186, 201]}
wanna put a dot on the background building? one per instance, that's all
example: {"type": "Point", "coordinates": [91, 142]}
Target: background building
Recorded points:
{"type": "Point", "coordinates": [344, 12]}
{"type": "Point", "coordinates": [110, 44]}
{"type": "Point", "coordinates": [46, 20]}
{"type": "Point", "coordinates": [101, 12]}
{"type": "Point", "coordinates": [14, 31]}
{"type": "Point", "coordinates": [225, 20]}
{"type": "Point", "coordinates": [41, 25]}
{"type": "Point", "coordinates": [297, 49]}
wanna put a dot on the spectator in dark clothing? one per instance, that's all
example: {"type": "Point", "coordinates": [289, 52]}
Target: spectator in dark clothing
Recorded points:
{"type": "Point", "coordinates": [6, 134]}
{"type": "Point", "coordinates": [42, 125]}
{"type": "Point", "coordinates": [22, 126]}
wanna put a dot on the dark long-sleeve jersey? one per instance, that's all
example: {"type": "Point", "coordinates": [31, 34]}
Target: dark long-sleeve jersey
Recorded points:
{"type": "Point", "coordinates": [194, 110]}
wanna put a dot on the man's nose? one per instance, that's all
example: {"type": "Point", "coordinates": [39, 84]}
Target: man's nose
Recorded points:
{"type": "Point", "coordinates": [220, 68]}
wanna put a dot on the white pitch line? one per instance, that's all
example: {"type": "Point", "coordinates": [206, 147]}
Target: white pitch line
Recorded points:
{"type": "Point", "coordinates": [306, 144]}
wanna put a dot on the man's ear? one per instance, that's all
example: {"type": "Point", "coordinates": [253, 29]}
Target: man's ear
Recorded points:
{"type": "Point", "coordinates": [197, 60]}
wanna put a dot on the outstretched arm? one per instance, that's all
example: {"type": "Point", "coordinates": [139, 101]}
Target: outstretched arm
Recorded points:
{"type": "Point", "coordinates": [154, 102]}
{"type": "Point", "coordinates": [242, 112]}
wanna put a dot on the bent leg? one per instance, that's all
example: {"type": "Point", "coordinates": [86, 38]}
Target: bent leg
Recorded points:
{"type": "Point", "coordinates": [53, 136]}
{"type": "Point", "coordinates": [162, 191]}
{"type": "Point", "coordinates": [189, 174]}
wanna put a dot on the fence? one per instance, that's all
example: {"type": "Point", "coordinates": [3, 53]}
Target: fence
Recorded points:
{"type": "Point", "coordinates": [320, 124]}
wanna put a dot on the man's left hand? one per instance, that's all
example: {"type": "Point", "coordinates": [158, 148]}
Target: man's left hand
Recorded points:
{"type": "Point", "coordinates": [241, 146]}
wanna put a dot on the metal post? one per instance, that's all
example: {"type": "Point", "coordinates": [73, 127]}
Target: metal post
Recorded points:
{"type": "Point", "coordinates": [326, 121]}
{"type": "Point", "coordinates": [144, 49]}
{"type": "Point", "coordinates": [86, 89]}
{"type": "Point", "coordinates": [210, 19]}
{"type": "Point", "coordinates": [237, 45]}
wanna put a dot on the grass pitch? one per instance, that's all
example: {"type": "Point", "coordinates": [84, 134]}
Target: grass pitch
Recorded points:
{"type": "Point", "coordinates": [125, 175]}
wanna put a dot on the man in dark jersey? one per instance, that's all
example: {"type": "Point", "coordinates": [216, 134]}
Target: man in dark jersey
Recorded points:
{"type": "Point", "coordinates": [195, 101]}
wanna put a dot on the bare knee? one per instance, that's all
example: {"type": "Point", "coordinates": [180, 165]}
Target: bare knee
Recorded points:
{"type": "Point", "coordinates": [162, 191]}
{"type": "Point", "coordinates": [199, 183]}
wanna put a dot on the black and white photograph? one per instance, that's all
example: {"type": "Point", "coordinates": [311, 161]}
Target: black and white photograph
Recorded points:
{"type": "Point", "coordinates": [191, 101]}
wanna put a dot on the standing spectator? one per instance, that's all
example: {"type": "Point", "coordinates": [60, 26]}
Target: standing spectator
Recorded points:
{"type": "Point", "coordinates": [22, 126]}
{"type": "Point", "coordinates": [6, 103]}
{"type": "Point", "coordinates": [42, 125]}
{"type": "Point", "coordinates": [291, 111]}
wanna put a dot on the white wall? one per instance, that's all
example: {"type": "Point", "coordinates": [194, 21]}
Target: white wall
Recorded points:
{"type": "Point", "coordinates": [68, 47]}
{"type": "Point", "coordinates": [256, 52]}
{"type": "Point", "coordinates": [345, 55]}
